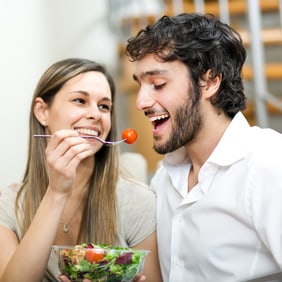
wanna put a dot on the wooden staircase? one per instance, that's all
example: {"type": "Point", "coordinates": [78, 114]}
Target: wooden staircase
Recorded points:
{"type": "Point", "coordinates": [238, 12]}
{"type": "Point", "coordinates": [235, 7]}
{"type": "Point", "coordinates": [270, 37]}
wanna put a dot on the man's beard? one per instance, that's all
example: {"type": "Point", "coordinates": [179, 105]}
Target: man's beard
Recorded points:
{"type": "Point", "coordinates": [185, 126]}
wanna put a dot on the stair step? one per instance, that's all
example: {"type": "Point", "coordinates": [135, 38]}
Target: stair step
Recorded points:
{"type": "Point", "coordinates": [236, 7]}
{"type": "Point", "coordinates": [270, 36]}
{"type": "Point", "coordinates": [272, 71]}
{"type": "Point", "coordinates": [250, 111]}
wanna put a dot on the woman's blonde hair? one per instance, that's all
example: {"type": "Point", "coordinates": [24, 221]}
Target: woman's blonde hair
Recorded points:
{"type": "Point", "coordinates": [99, 222]}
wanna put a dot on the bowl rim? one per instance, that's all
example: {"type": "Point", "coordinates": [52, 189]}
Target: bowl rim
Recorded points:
{"type": "Point", "coordinates": [97, 247]}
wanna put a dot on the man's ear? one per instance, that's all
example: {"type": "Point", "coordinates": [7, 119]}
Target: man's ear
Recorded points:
{"type": "Point", "coordinates": [211, 84]}
{"type": "Point", "coordinates": [40, 110]}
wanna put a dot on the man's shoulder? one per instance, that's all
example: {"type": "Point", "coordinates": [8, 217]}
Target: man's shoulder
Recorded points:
{"type": "Point", "coordinates": [266, 139]}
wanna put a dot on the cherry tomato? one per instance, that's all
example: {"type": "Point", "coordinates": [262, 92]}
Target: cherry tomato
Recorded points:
{"type": "Point", "coordinates": [130, 135]}
{"type": "Point", "coordinates": [94, 255]}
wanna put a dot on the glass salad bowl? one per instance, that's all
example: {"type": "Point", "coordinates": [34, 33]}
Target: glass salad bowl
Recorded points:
{"type": "Point", "coordinates": [100, 262]}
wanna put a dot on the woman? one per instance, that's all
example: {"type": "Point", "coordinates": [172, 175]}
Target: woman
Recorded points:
{"type": "Point", "coordinates": [72, 191]}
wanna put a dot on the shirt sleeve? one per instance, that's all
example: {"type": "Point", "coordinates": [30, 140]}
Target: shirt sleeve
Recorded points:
{"type": "Point", "coordinates": [137, 211]}
{"type": "Point", "coordinates": [265, 194]}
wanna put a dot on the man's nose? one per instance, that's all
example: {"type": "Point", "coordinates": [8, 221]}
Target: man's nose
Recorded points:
{"type": "Point", "coordinates": [144, 99]}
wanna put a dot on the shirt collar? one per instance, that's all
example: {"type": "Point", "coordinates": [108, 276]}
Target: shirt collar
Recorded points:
{"type": "Point", "coordinates": [230, 149]}
{"type": "Point", "coordinates": [232, 146]}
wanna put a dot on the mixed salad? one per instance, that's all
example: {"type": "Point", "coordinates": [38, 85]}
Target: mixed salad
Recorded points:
{"type": "Point", "coordinates": [100, 263]}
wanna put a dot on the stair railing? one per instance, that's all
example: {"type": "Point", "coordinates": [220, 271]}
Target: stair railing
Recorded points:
{"type": "Point", "coordinates": [258, 62]}
{"type": "Point", "coordinates": [262, 93]}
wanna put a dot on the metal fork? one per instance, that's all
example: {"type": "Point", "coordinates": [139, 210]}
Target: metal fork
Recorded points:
{"type": "Point", "coordinates": [106, 143]}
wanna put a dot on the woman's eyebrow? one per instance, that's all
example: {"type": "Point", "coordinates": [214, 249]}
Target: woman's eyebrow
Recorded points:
{"type": "Point", "coordinates": [80, 92]}
{"type": "Point", "coordinates": [85, 93]}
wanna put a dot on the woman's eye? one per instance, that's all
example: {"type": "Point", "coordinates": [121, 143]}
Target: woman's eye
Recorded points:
{"type": "Point", "coordinates": [105, 107]}
{"type": "Point", "coordinates": [79, 100]}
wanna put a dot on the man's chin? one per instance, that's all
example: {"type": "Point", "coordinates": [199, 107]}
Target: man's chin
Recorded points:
{"type": "Point", "coordinates": [161, 149]}
{"type": "Point", "coordinates": [165, 148]}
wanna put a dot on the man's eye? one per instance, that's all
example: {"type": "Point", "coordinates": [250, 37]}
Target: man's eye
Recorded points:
{"type": "Point", "coordinates": [159, 86]}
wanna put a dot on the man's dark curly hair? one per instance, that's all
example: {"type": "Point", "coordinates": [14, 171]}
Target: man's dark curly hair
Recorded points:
{"type": "Point", "coordinates": [202, 43]}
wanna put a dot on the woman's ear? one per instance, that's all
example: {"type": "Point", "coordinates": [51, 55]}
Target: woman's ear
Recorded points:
{"type": "Point", "coordinates": [40, 110]}
{"type": "Point", "coordinates": [211, 84]}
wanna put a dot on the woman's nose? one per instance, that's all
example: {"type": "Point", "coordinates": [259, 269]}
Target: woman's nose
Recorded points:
{"type": "Point", "coordinates": [93, 112]}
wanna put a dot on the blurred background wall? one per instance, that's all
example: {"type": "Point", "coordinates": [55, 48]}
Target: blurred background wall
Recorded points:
{"type": "Point", "coordinates": [35, 34]}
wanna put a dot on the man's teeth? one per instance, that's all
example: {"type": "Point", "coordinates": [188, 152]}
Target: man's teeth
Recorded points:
{"type": "Point", "coordinates": [158, 117]}
{"type": "Point", "coordinates": [87, 131]}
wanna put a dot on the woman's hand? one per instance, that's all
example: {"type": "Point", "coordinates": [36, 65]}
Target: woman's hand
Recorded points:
{"type": "Point", "coordinates": [140, 278]}
{"type": "Point", "coordinates": [65, 150]}
{"type": "Point", "coordinates": [64, 278]}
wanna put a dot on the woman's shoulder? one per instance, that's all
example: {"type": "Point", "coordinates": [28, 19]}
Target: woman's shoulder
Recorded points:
{"type": "Point", "coordinates": [8, 197]}
{"type": "Point", "coordinates": [7, 207]}
{"type": "Point", "coordinates": [136, 209]}
{"type": "Point", "coordinates": [135, 195]}
{"type": "Point", "coordinates": [130, 187]}
{"type": "Point", "coordinates": [9, 192]}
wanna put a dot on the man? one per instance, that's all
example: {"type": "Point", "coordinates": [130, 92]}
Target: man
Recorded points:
{"type": "Point", "coordinates": [219, 189]}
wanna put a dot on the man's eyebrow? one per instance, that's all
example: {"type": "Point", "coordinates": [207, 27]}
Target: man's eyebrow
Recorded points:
{"type": "Point", "coordinates": [149, 73]}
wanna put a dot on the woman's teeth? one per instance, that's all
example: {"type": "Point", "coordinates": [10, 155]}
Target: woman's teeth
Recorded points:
{"type": "Point", "coordinates": [87, 131]}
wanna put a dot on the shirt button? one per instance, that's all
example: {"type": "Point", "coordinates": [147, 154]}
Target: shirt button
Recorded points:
{"type": "Point", "coordinates": [177, 262]}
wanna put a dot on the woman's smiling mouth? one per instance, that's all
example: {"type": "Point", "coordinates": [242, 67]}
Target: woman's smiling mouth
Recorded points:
{"type": "Point", "coordinates": [87, 131]}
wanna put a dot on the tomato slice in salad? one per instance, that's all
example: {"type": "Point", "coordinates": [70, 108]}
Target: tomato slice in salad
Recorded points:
{"type": "Point", "coordinates": [94, 255]}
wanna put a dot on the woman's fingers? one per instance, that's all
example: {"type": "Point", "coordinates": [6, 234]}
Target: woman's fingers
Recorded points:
{"type": "Point", "coordinates": [64, 278]}
{"type": "Point", "coordinates": [140, 278]}
{"type": "Point", "coordinates": [68, 154]}
{"type": "Point", "coordinates": [64, 152]}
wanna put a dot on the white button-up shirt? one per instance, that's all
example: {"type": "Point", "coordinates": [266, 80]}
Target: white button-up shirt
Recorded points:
{"type": "Point", "coordinates": [229, 226]}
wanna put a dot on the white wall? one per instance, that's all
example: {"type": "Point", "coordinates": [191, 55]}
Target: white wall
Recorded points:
{"type": "Point", "coordinates": [34, 34]}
